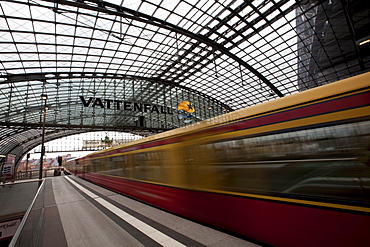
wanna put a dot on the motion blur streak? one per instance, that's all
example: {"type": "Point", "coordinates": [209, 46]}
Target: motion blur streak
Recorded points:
{"type": "Point", "coordinates": [290, 172]}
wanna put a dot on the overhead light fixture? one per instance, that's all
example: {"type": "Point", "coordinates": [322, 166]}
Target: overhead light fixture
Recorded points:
{"type": "Point", "coordinates": [44, 97]}
{"type": "Point", "coordinates": [363, 41]}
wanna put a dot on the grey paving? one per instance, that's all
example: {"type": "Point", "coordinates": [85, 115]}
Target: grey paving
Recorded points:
{"type": "Point", "coordinates": [85, 223]}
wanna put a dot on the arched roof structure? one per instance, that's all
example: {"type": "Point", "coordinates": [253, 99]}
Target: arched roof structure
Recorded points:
{"type": "Point", "coordinates": [124, 65]}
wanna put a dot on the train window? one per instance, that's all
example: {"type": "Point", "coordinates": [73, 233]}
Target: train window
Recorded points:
{"type": "Point", "coordinates": [149, 166]}
{"type": "Point", "coordinates": [114, 165]}
{"type": "Point", "coordinates": [362, 129]}
{"type": "Point", "coordinates": [321, 162]}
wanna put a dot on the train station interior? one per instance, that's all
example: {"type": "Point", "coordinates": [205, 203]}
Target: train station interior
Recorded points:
{"type": "Point", "coordinates": [147, 67]}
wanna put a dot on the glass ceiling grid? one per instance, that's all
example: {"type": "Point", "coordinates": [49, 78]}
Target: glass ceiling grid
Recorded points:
{"type": "Point", "coordinates": [135, 54]}
{"type": "Point", "coordinates": [310, 40]}
{"type": "Point", "coordinates": [344, 47]}
{"type": "Point", "coordinates": [149, 60]}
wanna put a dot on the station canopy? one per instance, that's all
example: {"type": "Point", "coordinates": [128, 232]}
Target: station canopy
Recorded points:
{"type": "Point", "coordinates": [125, 65]}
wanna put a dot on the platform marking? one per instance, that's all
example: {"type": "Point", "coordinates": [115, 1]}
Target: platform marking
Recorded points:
{"type": "Point", "coordinates": [151, 232]}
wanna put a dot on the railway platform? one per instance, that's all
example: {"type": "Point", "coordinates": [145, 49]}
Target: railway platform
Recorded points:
{"type": "Point", "coordinates": [78, 213]}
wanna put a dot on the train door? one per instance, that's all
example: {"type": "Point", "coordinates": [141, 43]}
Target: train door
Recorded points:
{"type": "Point", "coordinates": [127, 165]}
{"type": "Point", "coordinates": [139, 163]}
{"type": "Point", "coordinates": [198, 171]}
{"type": "Point", "coordinates": [174, 164]}
{"type": "Point", "coordinates": [85, 169]}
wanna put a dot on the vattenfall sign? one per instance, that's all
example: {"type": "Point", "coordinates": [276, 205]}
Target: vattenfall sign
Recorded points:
{"type": "Point", "coordinates": [124, 105]}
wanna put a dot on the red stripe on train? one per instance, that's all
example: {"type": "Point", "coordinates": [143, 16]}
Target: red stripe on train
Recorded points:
{"type": "Point", "coordinates": [271, 222]}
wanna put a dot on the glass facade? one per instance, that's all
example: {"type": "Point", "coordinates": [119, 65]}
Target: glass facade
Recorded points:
{"type": "Point", "coordinates": [218, 55]}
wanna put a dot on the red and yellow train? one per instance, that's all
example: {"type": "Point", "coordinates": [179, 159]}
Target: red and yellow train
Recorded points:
{"type": "Point", "coordinates": [291, 172]}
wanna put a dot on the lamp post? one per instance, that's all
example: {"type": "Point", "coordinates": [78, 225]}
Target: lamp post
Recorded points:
{"type": "Point", "coordinates": [44, 97]}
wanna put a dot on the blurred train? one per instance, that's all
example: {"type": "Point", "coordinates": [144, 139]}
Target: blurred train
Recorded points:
{"type": "Point", "coordinates": [290, 172]}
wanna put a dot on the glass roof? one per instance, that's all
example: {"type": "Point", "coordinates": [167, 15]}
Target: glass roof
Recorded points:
{"type": "Point", "coordinates": [219, 55]}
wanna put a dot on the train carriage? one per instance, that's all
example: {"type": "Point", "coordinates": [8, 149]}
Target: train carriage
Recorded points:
{"type": "Point", "coordinates": [291, 172]}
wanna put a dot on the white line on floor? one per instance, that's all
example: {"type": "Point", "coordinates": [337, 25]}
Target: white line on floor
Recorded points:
{"type": "Point", "coordinates": [151, 232]}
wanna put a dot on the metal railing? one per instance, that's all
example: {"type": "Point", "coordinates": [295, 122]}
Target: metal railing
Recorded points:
{"type": "Point", "coordinates": [33, 174]}
{"type": "Point", "coordinates": [30, 230]}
